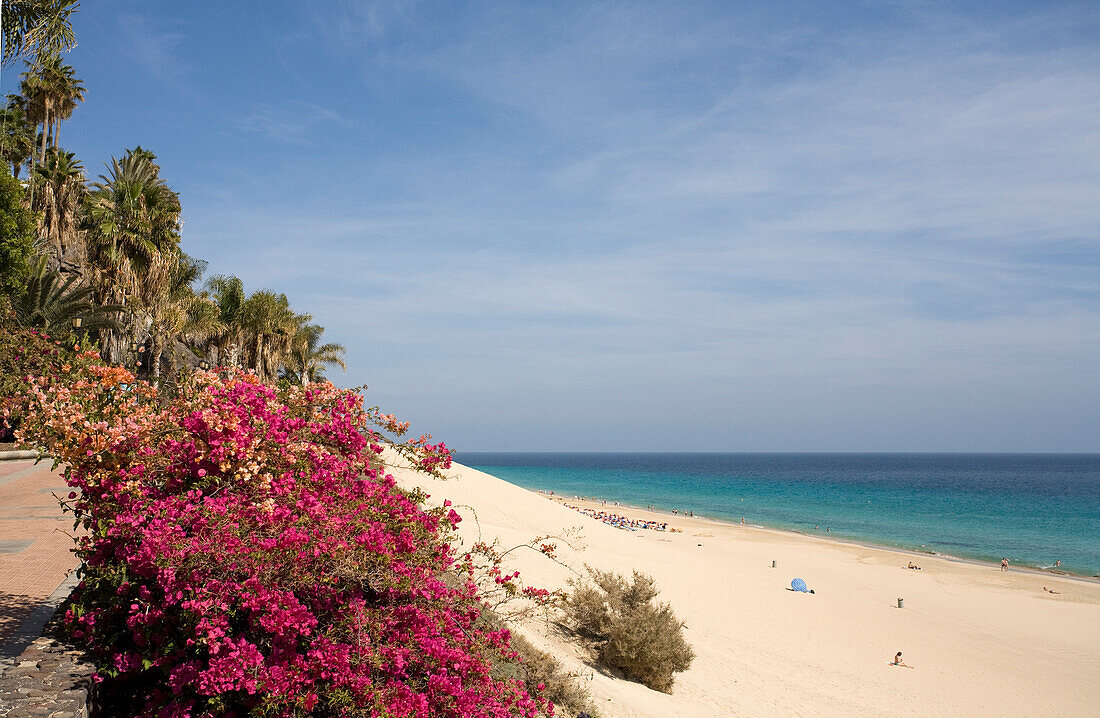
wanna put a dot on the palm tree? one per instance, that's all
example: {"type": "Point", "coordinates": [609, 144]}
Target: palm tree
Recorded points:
{"type": "Point", "coordinates": [16, 136]}
{"type": "Point", "coordinates": [132, 220]}
{"type": "Point", "coordinates": [226, 293]}
{"type": "Point", "coordinates": [202, 322]}
{"type": "Point", "coordinates": [176, 312]}
{"type": "Point", "coordinates": [71, 95]}
{"type": "Point", "coordinates": [52, 92]}
{"type": "Point", "coordinates": [270, 325]}
{"type": "Point", "coordinates": [36, 26]}
{"type": "Point", "coordinates": [60, 181]}
{"type": "Point", "coordinates": [51, 303]}
{"type": "Point", "coordinates": [308, 358]}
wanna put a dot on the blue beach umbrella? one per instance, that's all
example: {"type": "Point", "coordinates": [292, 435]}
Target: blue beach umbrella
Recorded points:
{"type": "Point", "coordinates": [799, 585]}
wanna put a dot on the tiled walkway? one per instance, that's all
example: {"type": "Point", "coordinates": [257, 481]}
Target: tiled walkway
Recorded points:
{"type": "Point", "coordinates": [35, 540]}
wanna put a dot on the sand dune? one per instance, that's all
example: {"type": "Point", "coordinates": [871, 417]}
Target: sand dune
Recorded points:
{"type": "Point", "coordinates": [983, 642]}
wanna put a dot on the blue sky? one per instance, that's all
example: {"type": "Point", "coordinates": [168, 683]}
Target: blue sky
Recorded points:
{"type": "Point", "coordinates": [646, 226]}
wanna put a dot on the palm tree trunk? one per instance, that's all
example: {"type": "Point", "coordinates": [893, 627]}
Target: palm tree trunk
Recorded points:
{"type": "Point", "coordinates": [31, 177]}
{"type": "Point", "coordinates": [257, 365]}
{"type": "Point", "coordinates": [157, 350]}
{"type": "Point", "coordinates": [111, 346]}
{"type": "Point", "coordinates": [45, 131]}
{"type": "Point", "coordinates": [117, 344]}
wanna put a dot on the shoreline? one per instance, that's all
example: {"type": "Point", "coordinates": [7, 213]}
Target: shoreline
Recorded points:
{"type": "Point", "coordinates": [597, 503]}
{"type": "Point", "coordinates": [980, 638]}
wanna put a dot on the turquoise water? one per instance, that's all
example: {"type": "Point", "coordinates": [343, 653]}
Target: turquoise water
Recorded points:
{"type": "Point", "coordinates": [1032, 508]}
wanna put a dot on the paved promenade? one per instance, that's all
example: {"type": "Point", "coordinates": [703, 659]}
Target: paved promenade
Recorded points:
{"type": "Point", "coordinates": [35, 545]}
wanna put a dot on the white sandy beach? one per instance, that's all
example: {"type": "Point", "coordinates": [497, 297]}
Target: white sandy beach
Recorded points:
{"type": "Point", "coordinates": [983, 642]}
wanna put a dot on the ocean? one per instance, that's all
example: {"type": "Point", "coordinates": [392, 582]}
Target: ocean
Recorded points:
{"type": "Point", "coordinates": [1034, 509]}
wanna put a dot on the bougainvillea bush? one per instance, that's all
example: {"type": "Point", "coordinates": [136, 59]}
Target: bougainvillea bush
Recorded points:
{"type": "Point", "coordinates": [25, 355]}
{"type": "Point", "coordinates": [245, 553]}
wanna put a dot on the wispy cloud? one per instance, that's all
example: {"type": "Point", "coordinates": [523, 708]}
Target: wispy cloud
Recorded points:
{"type": "Point", "coordinates": [984, 141]}
{"type": "Point", "coordinates": [829, 233]}
{"type": "Point", "coordinates": [361, 25]}
{"type": "Point", "coordinates": [293, 121]}
{"type": "Point", "coordinates": [153, 47]}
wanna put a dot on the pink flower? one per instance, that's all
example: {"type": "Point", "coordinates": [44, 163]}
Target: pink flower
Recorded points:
{"type": "Point", "coordinates": [295, 575]}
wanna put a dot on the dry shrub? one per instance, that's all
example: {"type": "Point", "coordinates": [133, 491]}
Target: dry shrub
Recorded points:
{"type": "Point", "coordinates": [559, 686]}
{"type": "Point", "coordinates": [540, 672]}
{"type": "Point", "coordinates": [629, 630]}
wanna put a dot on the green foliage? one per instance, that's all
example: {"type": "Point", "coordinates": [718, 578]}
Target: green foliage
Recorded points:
{"type": "Point", "coordinates": [51, 302]}
{"type": "Point", "coordinates": [132, 216]}
{"type": "Point", "coordinates": [31, 26]}
{"type": "Point", "coordinates": [629, 631]}
{"type": "Point", "coordinates": [269, 325]}
{"type": "Point", "coordinates": [131, 219]}
{"type": "Point", "coordinates": [16, 236]}
{"type": "Point", "coordinates": [16, 135]}
{"type": "Point", "coordinates": [52, 91]}
{"type": "Point", "coordinates": [58, 195]}
{"type": "Point", "coordinates": [308, 357]}
{"type": "Point", "coordinates": [123, 232]}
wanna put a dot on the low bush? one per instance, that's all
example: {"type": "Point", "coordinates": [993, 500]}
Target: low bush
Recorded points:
{"type": "Point", "coordinates": [544, 675]}
{"type": "Point", "coordinates": [629, 630]}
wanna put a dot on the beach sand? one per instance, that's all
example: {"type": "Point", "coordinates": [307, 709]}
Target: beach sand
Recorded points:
{"type": "Point", "coordinates": [982, 642]}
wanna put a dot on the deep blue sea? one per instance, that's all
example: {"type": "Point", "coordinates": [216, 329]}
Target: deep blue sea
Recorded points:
{"type": "Point", "coordinates": [1032, 508]}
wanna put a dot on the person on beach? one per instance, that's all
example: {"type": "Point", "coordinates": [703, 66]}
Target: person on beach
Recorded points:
{"type": "Point", "coordinates": [621, 522]}
{"type": "Point", "coordinates": [914, 566]}
{"type": "Point", "coordinates": [1004, 564]}
{"type": "Point", "coordinates": [1050, 590]}
{"type": "Point", "coordinates": [898, 662]}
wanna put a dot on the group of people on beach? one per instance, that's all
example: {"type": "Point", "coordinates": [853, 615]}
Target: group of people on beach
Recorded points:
{"type": "Point", "coordinates": [618, 521]}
